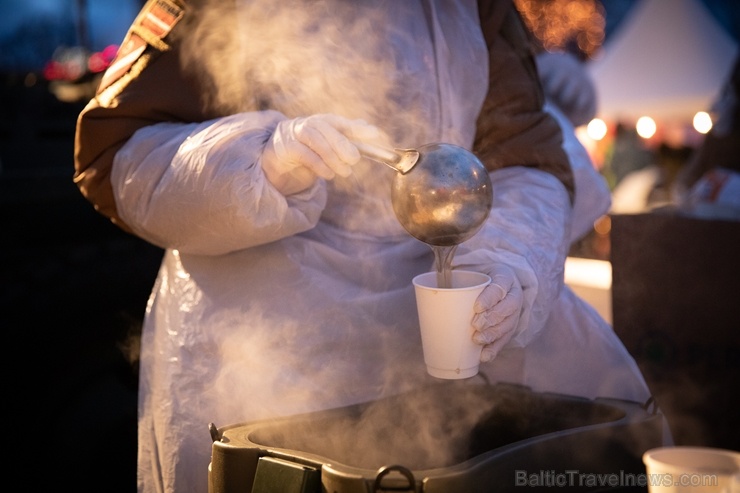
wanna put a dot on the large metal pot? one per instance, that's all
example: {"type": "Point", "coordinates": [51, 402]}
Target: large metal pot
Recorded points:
{"type": "Point", "coordinates": [515, 434]}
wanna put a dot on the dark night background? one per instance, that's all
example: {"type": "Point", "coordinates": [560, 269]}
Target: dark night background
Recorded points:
{"type": "Point", "coordinates": [74, 287]}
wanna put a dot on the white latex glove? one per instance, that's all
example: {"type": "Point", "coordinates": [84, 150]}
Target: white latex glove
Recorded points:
{"type": "Point", "coordinates": [568, 85]}
{"type": "Point", "coordinates": [522, 245]}
{"type": "Point", "coordinates": [304, 149]}
{"type": "Point", "coordinates": [497, 311]}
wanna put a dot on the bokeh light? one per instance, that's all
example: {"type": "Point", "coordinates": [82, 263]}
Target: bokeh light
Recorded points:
{"type": "Point", "coordinates": [576, 26]}
{"type": "Point", "coordinates": [596, 129]}
{"type": "Point", "coordinates": [702, 122]}
{"type": "Point", "coordinates": [646, 127]}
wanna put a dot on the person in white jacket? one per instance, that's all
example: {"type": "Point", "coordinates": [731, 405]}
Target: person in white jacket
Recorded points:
{"type": "Point", "coordinates": [285, 287]}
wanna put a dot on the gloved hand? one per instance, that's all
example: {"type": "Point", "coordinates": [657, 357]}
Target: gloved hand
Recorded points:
{"type": "Point", "coordinates": [522, 246]}
{"type": "Point", "coordinates": [497, 311]}
{"type": "Point", "coordinates": [568, 85]}
{"type": "Point", "coordinates": [302, 149]}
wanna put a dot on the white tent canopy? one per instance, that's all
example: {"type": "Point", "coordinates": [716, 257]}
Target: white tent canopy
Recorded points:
{"type": "Point", "coordinates": [668, 60]}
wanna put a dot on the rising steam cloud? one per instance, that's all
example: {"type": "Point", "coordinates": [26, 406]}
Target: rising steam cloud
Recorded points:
{"type": "Point", "coordinates": [303, 58]}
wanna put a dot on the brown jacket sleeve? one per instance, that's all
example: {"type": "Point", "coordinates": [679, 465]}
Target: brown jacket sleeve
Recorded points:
{"type": "Point", "coordinates": [144, 85]}
{"type": "Point", "coordinates": [512, 128]}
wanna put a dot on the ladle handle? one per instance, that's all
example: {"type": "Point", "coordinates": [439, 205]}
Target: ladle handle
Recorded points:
{"type": "Point", "coordinates": [401, 160]}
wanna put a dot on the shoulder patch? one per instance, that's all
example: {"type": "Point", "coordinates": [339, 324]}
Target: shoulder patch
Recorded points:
{"type": "Point", "coordinates": [155, 21]}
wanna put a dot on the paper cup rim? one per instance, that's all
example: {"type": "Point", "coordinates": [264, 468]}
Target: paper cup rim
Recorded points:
{"type": "Point", "coordinates": [485, 279]}
{"type": "Point", "coordinates": [664, 459]}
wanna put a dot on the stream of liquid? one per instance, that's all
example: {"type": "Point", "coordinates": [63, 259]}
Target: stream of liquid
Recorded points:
{"type": "Point", "coordinates": [443, 264]}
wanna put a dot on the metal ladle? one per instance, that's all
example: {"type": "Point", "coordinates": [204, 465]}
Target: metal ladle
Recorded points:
{"type": "Point", "coordinates": [442, 193]}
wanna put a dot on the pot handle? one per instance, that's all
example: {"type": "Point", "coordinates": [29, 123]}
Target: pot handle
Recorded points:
{"type": "Point", "coordinates": [385, 470]}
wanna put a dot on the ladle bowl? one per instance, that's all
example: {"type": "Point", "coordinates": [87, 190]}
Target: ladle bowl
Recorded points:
{"type": "Point", "coordinates": [445, 198]}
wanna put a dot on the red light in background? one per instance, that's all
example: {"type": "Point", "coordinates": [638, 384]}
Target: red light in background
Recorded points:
{"type": "Point", "coordinates": [99, 61]}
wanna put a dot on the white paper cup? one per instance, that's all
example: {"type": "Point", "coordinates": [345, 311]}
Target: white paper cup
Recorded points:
{"type": "Point", "coordinates": [692, 470]}
{"type": "Point", "coordinates": [445, 316]}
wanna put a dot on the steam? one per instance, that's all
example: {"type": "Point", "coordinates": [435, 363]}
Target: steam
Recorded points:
{"type": "Point", "coordinates": [300, 59]}
{"type": "Point", "coordinates": [420, 430]}
{"type": "Point", "coordinates": [439, 426]}
{"type": "Point", "coordinates": [304, 58]}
